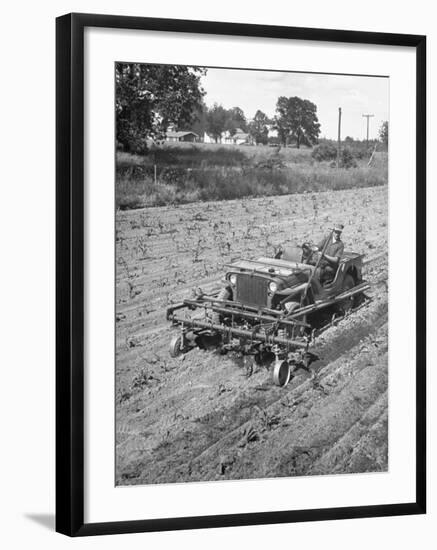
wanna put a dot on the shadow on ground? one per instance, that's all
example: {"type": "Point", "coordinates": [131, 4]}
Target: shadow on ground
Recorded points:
{"type": "Point", "coordinates": [46, 520]}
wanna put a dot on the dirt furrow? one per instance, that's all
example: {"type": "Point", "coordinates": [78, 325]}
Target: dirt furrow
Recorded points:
{"type": "Point", "coordinates": [220, 428]}
{"type": "Point", "coordinates": [200, 416]}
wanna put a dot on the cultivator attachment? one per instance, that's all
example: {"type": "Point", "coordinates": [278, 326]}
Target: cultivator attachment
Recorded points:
{"type": "Point", "coordinates": [239, 321]}
{"type": "Point", "coordinates": [252, 331]}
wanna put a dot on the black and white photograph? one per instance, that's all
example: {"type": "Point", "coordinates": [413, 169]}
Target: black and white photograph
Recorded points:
{"type": "Point", "coordinates": [251, 276]}
{"type": "Point", "coordinates": [216, 275]}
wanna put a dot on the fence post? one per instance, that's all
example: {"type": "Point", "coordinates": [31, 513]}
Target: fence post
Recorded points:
{"type": "Point", "coordinates": [372, 155]}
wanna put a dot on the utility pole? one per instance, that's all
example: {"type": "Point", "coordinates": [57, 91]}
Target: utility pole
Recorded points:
{"type": "Point", "coordinates": [339, 137]}
{"type": "Point", "coordinates": [367, 138]}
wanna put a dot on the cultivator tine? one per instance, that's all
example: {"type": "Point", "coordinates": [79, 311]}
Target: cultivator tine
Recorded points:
{"type": "Point", "coordinates": [241, 333]}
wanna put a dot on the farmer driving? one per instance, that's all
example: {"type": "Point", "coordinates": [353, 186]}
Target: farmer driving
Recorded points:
{"type": "Point", "coordinates": [333, 250]}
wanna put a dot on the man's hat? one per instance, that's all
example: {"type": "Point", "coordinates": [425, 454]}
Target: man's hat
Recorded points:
{"type": "Point", "coordinates": [338, 227]}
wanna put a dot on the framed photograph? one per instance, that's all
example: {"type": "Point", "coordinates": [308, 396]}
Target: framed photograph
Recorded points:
{"type": "Point", "coordinates": [240, 274]}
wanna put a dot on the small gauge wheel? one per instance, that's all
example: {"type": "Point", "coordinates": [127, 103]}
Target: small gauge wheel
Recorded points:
{"type": "Point", "coordinates": [175, 347]}
{"type": "Point", "coordinates": [281, 373]}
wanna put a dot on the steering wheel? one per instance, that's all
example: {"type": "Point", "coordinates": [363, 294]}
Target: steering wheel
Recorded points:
{"type": "Point", "coordinates": [310, 254]}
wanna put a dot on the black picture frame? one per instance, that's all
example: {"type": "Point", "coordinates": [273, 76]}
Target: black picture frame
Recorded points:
{"type": "Point", "coordinates": [70, 273]}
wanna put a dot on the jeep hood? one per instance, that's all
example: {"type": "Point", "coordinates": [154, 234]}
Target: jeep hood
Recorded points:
{"type": "Point", "coordinates": [273, 268]}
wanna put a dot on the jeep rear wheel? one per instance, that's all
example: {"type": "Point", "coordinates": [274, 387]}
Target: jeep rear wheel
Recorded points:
{"type": "Point", "coordinates": [348, 303]}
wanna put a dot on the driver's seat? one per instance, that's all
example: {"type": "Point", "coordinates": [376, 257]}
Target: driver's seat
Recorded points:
{"type": "Point", "coordinates": [332, 276]}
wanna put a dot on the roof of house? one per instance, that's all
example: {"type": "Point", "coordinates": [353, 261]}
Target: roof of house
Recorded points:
{"type": "Point", "coordinates": [181, 134]}
{"type": "Point", "coordinates": [241, 135]}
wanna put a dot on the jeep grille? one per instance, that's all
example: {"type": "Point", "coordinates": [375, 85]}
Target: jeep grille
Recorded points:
{"type": "Point", "coordinates": [252, 290]}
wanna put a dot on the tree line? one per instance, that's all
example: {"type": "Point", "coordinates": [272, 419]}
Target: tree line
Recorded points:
{"type": "Point", "coordinates": [150, 98]}
{"type": "Point", "coordinates": [217, 120]}
{"type": "Point", "coordinates": [295, 120]}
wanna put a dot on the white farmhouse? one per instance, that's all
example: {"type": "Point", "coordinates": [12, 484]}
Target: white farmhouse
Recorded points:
{"type": "Point", "coordinates": [238, 138]}
{"type": "Point", "coordinates": [209, 139]}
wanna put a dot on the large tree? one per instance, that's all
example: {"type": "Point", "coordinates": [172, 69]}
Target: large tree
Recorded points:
{"type": "Point", "coordinates": [216, 121]}
{"type": "Point", "coordinates": [258, 128]}
{"type": "Point", "coordinates": [297, 119]}
{"type": "Point", "coordinates": [150, 97]}
{"type": "Point", "coordinates": [383, 132]}
{"type": "Point", "coordinates": [199, 119]}
{"type": "Point", "coordinates": [236, 120]}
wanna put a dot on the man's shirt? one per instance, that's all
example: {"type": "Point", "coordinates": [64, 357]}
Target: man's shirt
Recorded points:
{"type": "Point", "coordinates": [334, 248]}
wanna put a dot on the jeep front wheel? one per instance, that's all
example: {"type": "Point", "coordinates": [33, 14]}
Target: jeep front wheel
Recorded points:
{"type": "Point", "coordinates": [299, 330]}
{"type": "Point", "coordinates": [225, 294]}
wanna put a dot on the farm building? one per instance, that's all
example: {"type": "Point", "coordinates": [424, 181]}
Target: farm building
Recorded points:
{"type": "Point", "coordinates": [181, 136]}
{"type": "Point", "coordinates": [209, 139]}
{"type": "Point", "coordinates": [238, 138]}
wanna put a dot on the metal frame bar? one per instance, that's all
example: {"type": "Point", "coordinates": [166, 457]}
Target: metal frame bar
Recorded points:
{"type": "Point", "coordinates": [241, 333]}
{"type": "Point", "coordinates": [266, 318]}
{"type": "Point", "coordinates": [267, 315]}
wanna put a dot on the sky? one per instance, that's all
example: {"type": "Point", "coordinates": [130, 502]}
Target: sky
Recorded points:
{"type": "Point", "coordinates": [356, 95]}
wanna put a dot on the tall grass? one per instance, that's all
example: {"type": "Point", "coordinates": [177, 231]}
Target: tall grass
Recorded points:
{"type": "Point", "coordinates": [185, 156]}
{"type": "Point", "coordinates": [237, 182]}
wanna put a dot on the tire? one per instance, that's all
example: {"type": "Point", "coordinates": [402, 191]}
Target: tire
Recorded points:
{"type": "Point", "coordinates": [299, 330]}
{"type": "Point", "coordinates": [281, 373]}
{"type": "Point", "coordinates": [175, 347]}
{"type": "Point", "coordinates": [224, 294]}
{"type": "Point", "coordinates": [292, 305]}
{"type": "Point", "coordinates": [264, 358]}
{"type": "Point", "coordinates": [347, 304]}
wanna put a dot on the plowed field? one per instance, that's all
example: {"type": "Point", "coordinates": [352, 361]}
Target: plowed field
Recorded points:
{"type": "Point", "coordinates": [200, 416]}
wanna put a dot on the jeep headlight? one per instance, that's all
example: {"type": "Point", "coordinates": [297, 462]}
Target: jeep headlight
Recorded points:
{"type": "Point", "coordinates": [233, 279]}
{"type": "Point", "coordinates": [273, 287]}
